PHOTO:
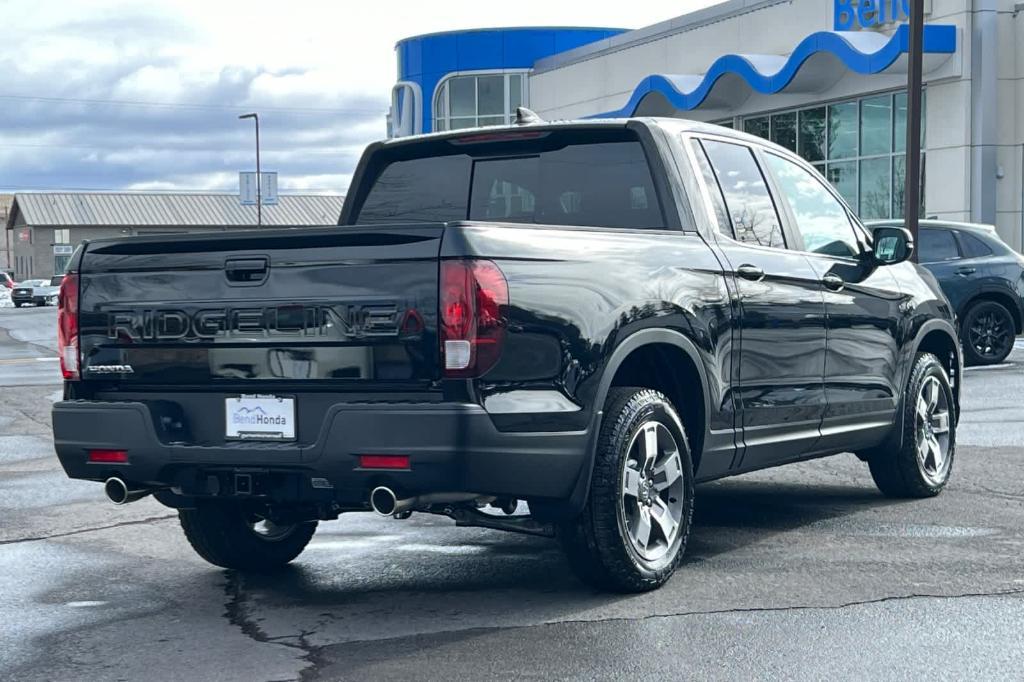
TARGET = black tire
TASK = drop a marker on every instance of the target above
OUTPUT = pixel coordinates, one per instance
(599, 544)
(988, 333)
(223, 534)
(906, 473)
(17, 305)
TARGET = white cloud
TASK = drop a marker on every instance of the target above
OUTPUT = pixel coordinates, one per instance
(251, 54)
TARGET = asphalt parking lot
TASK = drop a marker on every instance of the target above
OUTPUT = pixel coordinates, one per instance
(801, 572)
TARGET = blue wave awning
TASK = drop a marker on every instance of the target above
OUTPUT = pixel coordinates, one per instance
(812, 66)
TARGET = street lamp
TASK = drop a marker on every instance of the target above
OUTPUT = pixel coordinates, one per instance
(259, 177)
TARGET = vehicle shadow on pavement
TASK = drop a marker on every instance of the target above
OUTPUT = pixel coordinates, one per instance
(430, 557)
(729, 515)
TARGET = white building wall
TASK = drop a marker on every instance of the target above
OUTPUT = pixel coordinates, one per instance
(1009, 220)
(605, 81)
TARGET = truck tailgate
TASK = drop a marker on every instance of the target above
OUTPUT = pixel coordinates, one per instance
(341, 307)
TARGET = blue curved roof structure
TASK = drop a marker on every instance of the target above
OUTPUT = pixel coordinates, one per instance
(427, 59)
(864, 52)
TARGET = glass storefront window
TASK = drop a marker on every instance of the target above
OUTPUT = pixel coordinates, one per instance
(842, 130)
(784, 130)
(899, 127)
(757, 126)
(843, 176)
(875, 186)
(462, 96)
(490, 96)
(478, 100)
(857, 145)
(876, 125)
(515, 93)
(899, 183)
(812, 134)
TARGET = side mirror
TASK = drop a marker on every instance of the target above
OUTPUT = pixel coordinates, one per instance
(892, 245)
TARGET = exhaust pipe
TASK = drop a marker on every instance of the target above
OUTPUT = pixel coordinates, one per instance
(386, 503)
(118, 492)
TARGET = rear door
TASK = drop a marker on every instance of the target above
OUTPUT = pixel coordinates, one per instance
(782, 315)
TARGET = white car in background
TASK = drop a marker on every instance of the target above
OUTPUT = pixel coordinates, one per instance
(36, 291)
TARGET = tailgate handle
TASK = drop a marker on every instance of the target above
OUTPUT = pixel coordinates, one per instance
(247, 270)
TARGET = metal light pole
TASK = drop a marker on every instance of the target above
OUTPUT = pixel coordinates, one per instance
(259, 177)
(912, 184)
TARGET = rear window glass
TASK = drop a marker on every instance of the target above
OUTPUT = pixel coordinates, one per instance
(429, 190)
(606, 184)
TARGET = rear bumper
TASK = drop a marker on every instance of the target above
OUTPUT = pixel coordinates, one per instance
(452, 447)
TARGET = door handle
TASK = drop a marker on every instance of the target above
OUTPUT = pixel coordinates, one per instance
(966, 272)
(833, 282)
(751, 272)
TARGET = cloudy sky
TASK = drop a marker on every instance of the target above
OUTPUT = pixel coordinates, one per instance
(144, 95)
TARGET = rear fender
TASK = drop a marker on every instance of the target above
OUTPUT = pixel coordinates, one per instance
(567, 509)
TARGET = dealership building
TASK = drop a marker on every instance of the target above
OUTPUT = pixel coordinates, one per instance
(825, 78)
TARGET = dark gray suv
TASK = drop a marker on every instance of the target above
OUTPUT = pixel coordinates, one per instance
(983, 279)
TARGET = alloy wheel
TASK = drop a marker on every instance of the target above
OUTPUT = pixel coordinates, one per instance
(989, 334)
(932, 430)
(651, 503)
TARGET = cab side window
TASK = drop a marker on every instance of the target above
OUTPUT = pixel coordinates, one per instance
(820, 218)
(749, 203)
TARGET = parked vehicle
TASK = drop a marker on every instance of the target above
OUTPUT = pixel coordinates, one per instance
(587, 316)
(35, 292)
(6, 281)
(984, 280)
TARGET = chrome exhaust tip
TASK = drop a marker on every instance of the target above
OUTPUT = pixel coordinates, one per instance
(384, 501)
(118, 492)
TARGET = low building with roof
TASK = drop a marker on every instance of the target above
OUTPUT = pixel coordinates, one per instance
(44, 227)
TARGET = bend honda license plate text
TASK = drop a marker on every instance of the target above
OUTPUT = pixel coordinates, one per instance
(263, 417)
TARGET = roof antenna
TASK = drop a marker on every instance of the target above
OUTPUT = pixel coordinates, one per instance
(526, 117)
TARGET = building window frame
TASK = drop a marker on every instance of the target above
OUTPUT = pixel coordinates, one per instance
(441, 113)
(826, 166)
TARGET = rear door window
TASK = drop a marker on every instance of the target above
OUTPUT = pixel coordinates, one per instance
(938, 246)
(749, 203)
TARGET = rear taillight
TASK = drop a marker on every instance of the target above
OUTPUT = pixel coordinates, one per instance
(474, 303)
(67, 327)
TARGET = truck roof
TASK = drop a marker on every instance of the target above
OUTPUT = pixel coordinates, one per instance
(672, 125)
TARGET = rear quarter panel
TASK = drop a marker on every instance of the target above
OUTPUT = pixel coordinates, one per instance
(577, 293)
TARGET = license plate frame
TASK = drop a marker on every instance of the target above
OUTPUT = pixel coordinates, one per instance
(257, 416)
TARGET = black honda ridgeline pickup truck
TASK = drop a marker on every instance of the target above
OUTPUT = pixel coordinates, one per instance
(588, 317)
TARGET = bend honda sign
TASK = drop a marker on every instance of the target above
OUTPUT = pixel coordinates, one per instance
(852, 15)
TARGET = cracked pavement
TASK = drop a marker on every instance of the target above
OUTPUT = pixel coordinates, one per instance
(801, 572)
